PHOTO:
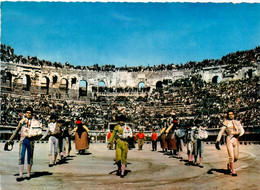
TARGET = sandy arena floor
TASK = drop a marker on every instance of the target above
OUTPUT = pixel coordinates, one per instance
(145, 170)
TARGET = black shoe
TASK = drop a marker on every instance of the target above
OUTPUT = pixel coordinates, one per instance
(228, 169)
(201, 166)
(50, 165)
(118, 173)
(234, 175)
(28, 178)
(122, 176)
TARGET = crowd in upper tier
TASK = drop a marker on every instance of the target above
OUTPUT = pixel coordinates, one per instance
(232, 62)
(187, 99)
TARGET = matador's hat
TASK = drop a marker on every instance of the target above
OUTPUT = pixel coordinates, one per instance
(9, 146)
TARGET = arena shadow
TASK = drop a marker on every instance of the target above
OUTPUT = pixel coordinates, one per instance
(126, 172)
(223, 171)
(85, 153)
(35, 174)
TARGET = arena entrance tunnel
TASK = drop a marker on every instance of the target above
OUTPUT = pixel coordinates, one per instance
(216, 79)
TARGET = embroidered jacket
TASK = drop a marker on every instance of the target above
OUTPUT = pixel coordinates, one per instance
(25, 125)
(232, 128)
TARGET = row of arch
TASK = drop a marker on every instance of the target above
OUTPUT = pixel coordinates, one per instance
(83, 84)
(63, 86)
(103, 84)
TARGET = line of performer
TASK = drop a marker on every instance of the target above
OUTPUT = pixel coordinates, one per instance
(59, 141)
(172, 139)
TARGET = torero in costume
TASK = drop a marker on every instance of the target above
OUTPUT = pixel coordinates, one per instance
(121, 133)
(29, 128)
(233, 130)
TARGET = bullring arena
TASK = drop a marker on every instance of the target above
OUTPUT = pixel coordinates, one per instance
(145, 170)
(148, 96)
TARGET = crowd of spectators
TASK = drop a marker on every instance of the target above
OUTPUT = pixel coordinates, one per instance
(186, 99)
(207, 101)
(119, 89)
(232, 62)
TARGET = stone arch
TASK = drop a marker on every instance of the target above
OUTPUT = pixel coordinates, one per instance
(250, 73)
(216, 79)
(54, 79)
(9, 77)
(64, 86)
(73, 81)
(83, 86)
(26, 82)
(159, 85)
(141, 85)
(45, 85)
(101, 86)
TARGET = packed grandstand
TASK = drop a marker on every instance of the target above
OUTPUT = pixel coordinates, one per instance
(185, 99)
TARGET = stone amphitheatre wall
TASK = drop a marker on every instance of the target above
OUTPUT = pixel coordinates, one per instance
(65, 83)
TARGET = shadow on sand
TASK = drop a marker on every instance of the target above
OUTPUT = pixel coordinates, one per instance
(126, 172)
(35, 175)
(84, 153)
(223, 171)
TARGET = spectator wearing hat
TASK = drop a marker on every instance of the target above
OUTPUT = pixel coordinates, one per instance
(121, 133)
